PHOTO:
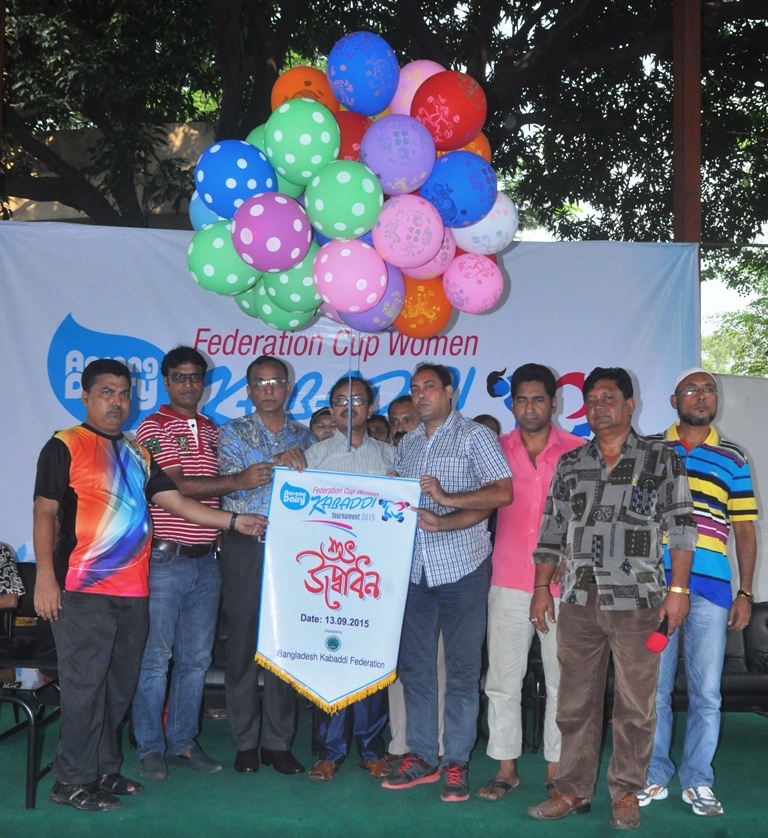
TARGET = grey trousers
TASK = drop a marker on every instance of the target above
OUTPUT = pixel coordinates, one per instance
(99, 642)
(242, 561)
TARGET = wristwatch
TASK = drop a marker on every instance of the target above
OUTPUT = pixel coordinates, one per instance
(748, 595)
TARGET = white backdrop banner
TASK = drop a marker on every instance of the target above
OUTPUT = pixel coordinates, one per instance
(71, 292)
(336, 567)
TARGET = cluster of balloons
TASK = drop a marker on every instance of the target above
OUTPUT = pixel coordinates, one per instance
(367, 196)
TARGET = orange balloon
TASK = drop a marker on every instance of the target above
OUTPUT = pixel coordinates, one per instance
(426, 310)
(479, 145)
(303, 82)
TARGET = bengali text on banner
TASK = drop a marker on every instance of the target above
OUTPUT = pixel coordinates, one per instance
(337, 562)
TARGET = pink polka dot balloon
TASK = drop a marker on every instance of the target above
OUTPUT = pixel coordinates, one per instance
(411, 78)
(350, 275)
(409, 232)
(437, 265)
(330, 312)
(473, 283)
(271, 232)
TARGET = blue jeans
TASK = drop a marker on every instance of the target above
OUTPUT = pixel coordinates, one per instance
(364, 719)
(459, 609)
(704, 651)
(183, 605)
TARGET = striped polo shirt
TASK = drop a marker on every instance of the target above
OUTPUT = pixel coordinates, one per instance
(175, 440)
(721, 487)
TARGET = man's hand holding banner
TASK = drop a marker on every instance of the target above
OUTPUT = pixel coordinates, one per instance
(336, 568)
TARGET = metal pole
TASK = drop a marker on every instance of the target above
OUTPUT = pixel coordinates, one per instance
(686, 157)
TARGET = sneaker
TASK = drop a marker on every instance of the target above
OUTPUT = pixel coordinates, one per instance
(455, 782)
(652, 791)
(411, 772)
(703, 801)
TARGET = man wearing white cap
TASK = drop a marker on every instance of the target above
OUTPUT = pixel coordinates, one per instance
(721, 487)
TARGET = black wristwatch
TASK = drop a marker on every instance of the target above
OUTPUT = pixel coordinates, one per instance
(232, 521)
(748, 595)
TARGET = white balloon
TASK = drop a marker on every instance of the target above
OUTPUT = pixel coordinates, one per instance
(492, 233)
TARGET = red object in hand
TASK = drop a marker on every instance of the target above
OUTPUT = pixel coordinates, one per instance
(657, 642)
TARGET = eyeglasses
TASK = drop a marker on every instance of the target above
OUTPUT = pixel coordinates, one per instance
(261, 383)
(180, 377)
(693, 390)
(343, 401)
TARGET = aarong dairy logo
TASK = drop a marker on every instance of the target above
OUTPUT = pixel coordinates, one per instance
(293, 497)
(73, 347)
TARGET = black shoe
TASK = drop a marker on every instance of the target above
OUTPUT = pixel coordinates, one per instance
(283, 761)
(197, 761)
(247, 762)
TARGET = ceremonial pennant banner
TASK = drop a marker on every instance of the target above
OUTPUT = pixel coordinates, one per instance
(336, 567)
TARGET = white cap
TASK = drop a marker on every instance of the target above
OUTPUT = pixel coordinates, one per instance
(686, 373)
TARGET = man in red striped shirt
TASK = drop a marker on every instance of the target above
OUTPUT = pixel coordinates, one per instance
(184, 576)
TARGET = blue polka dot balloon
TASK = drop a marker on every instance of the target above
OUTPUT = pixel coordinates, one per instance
(363, 72)
(199, 214)
(231, 171)
(462, 186)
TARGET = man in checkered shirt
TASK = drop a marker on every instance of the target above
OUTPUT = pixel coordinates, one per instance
(464, 475)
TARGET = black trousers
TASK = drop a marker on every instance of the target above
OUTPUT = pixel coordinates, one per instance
(242, 562)
(99, 642)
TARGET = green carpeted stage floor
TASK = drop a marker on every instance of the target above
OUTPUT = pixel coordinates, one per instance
(269, 804)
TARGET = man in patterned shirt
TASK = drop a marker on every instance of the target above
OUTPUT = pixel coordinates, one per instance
(353, 451)
(263, 439)
(607, 506)
(184, 577)
(463, 475)
(721, 486)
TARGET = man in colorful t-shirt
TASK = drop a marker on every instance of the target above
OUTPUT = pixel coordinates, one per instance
(93, 486)
(721, 487)
(184, 575)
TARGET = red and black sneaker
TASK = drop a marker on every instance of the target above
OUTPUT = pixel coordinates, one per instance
(455, 782)
(411, 772)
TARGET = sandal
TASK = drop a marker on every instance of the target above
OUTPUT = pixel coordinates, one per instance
(117, 784)
(86, 798)
(496, 785)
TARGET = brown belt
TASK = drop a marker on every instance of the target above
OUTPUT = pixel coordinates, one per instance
(191, 551)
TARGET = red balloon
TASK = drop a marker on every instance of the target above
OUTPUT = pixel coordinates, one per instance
(452, 106)
(352, 126)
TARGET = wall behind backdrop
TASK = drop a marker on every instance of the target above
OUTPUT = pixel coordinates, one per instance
(69, 293)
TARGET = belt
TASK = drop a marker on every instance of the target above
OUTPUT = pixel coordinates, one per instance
(191, 551)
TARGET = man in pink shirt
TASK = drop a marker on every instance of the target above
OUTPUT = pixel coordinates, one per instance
(532, 450)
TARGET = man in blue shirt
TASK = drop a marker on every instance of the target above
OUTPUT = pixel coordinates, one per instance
(266, 437)
(464, 475)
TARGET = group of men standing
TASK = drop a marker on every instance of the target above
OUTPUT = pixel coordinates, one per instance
(587, 517)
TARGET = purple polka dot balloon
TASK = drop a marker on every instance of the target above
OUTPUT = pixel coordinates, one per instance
(271, 232)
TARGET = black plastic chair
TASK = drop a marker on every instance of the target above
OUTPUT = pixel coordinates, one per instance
(27, 643)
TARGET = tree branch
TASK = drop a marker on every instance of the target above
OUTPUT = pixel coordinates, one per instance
(79, 191)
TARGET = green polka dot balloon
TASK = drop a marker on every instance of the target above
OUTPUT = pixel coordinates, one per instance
(294, 289)
(284, 187)
(344, 199)
(214, 263)
(275, 316)
(300, 138)
(246, 303)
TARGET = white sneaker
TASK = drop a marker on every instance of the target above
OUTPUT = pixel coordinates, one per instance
(703, 801)
(652, 792)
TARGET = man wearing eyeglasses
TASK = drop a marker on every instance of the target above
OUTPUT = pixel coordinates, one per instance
(262, 439)
(353, 451)
(184, 576)
(721, 486)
